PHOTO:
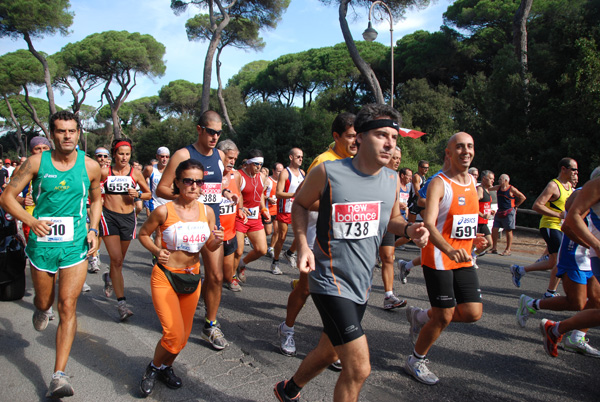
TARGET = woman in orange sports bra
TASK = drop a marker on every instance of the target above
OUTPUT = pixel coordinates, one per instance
(185, 225)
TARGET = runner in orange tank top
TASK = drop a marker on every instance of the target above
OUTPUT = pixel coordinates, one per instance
(450, 214)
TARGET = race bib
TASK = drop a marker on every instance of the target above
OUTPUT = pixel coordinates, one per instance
(355, 220)
(227, 207)
(253, 213)
(119, 184)
(191, 236)
(211, 193)
(61, 231)
(464, 226)
(403, 198)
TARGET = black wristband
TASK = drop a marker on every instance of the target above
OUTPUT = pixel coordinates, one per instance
(406, 229)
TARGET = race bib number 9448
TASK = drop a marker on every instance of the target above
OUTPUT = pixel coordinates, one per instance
(464, 226)
(355, 220)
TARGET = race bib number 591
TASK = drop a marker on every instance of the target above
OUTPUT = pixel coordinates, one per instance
(355, 220)
(464, 226)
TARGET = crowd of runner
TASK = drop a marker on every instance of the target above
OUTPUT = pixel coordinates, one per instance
(350, 211)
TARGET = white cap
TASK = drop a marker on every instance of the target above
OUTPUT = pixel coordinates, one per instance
(163, 151)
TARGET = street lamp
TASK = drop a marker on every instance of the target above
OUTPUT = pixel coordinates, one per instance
(370, 35)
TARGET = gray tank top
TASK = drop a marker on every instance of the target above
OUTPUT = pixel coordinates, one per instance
(354, 212)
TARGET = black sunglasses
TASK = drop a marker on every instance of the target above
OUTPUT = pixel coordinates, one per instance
(101, 156)
(210, 131)
(188, 182)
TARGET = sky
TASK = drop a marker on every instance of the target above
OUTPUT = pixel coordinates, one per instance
(305, 25)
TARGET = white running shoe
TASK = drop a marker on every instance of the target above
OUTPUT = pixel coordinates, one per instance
(270, 252)
(93, 265)
(415, 325)
(85, 287)
(402, 271)
(582, 347)
(292, 259)
(287, 345)
(523, 311)
(419, 370)
(275, 269)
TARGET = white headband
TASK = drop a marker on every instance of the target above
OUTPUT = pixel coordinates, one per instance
(258, 159)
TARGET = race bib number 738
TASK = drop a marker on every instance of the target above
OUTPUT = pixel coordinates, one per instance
(355, 220)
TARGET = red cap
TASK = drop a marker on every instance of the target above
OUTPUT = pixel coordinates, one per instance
(7, 161)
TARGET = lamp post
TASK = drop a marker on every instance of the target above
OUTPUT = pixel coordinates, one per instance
(370, 34)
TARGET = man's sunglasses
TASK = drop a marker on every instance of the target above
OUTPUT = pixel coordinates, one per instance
(188, 182)
(101, 156)
(210, 131)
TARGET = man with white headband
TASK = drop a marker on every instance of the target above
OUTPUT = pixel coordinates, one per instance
(287, 184)
(249, 221)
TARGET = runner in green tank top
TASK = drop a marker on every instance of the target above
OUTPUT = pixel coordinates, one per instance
(62, 180)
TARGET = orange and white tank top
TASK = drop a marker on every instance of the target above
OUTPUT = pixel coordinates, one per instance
(228, 209)
(271, 193)
(184, 236)
(456, 221)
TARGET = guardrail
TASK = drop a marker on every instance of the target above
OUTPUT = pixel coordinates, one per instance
(527, 212)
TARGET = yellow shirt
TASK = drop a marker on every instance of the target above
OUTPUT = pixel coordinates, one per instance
(557, 205)
(328, 155)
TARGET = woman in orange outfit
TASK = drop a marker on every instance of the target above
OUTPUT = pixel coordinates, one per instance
(185, 225)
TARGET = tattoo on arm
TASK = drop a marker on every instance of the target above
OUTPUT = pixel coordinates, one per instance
(18, 177)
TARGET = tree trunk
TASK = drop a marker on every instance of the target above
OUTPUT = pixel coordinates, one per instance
(47, 77)
(17, 125)
(210, 53)
(220, 93)
(364, 68)
(520, 35)
(33, 112)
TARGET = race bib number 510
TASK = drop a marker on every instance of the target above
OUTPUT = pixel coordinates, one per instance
(464, 226)
(61, 230)
(355, 220)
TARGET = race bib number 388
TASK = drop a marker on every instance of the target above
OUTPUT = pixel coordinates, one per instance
(355, 220)
(464, 226)
(211, 193)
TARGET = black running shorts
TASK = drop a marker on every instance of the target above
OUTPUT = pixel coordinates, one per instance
(450, 287)
(341, 318)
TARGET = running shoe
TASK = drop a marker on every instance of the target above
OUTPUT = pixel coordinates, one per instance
(415, 325)
(392, 302)
(336, 365)
(280, 394)
(275, 269)
(215, 337)
(550, 341)
(246, 241)
(51, 315)
(234, 285)
(515, 270)
(148, 380)
(93, 265)
(419, 370)
(108, 287)
(240, 272)
(85, 288)
(523, 311)
(59, 386)
(378, 261)
(292, 259)
(582, 347)
(287, 345)
(294, 283)
(402, 271)
(40, 319)
(167, 376)
(124, 311)
(270, 252)
(548, 295)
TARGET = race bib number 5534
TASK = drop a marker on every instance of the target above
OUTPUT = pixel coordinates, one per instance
(355, 220)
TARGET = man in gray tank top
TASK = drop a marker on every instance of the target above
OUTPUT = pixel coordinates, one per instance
(358, 201)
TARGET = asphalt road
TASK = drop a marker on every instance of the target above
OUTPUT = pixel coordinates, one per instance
(491, 360)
